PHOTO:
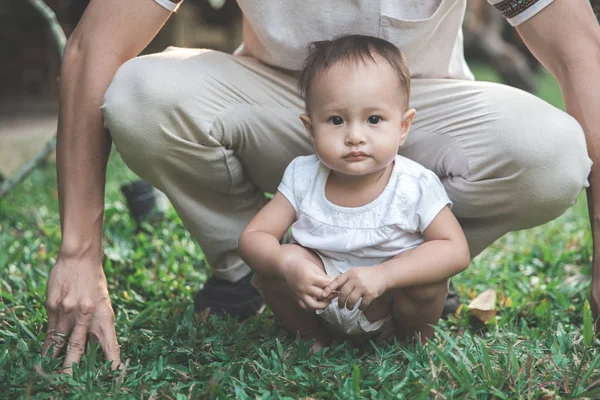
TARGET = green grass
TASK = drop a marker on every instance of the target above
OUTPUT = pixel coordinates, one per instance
(535, 346)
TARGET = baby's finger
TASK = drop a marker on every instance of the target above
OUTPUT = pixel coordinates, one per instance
(335, 284)
(344, 293)
(315, 304)
(331, 296)
(352, 299)
(366, 301)
(302, 304)
(315, 291)
(321, 280)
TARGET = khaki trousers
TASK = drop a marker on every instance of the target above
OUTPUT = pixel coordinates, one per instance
(215, 131)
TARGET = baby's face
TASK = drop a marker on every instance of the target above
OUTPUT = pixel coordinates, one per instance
(358, 117)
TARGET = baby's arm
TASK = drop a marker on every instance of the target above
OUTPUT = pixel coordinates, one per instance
(259, 247)
(259, 242)
(444, 254)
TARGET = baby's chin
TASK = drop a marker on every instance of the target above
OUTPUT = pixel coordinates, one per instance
(358, 171)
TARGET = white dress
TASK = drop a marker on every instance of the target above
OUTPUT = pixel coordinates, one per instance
(346, 237)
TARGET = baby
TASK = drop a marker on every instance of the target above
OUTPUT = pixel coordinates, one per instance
(373, 239)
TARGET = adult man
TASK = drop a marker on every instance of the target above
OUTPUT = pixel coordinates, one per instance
(214, 131)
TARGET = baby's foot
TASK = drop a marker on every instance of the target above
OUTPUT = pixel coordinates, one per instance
(318, 345)
(378, 310)
(321, 341)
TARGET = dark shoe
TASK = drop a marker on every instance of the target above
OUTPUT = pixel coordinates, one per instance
(452, 301)
(144, 201)
(239, 299)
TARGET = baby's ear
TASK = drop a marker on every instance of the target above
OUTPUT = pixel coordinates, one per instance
(305, 118)
(407, 120)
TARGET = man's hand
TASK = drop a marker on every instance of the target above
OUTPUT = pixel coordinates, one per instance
(78, 304)
(306, 281)
(367, 283)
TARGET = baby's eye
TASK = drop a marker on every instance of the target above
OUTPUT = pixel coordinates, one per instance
(336, 120)
(374, 119)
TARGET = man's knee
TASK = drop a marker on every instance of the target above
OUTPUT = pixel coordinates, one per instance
(552, 172)
(148, 112)
(139, 100)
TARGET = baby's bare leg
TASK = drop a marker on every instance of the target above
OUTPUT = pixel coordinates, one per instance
(287, 310)
(378, 309)
(416, 308)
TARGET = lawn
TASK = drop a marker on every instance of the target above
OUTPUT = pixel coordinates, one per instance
(534, 348)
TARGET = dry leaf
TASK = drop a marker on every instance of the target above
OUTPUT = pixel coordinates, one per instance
(458, 310)
(472, 294)
(42, 251)
(483, 306)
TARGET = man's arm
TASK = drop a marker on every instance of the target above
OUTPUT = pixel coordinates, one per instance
(109, 33)
(565, 38)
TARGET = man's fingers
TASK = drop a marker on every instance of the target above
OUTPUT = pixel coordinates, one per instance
(62, 331)
(76, 345)
(110, 345)
(52, 317)
(59, 340)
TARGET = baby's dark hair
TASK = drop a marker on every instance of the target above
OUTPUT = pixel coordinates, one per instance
(351, 49)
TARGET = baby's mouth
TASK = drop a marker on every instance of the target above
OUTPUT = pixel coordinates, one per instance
(356, 154)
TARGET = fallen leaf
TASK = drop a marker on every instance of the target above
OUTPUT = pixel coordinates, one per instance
(483, 306)
(42, 251)
(458, 310)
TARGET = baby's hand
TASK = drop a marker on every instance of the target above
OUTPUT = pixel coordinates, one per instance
(367, 283)
(306, 282)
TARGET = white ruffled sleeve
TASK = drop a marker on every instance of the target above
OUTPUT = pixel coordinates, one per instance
(433, 199)
(286, 187)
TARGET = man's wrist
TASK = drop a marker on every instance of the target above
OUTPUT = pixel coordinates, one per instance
(77, 248)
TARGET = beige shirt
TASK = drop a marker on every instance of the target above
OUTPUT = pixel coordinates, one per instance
(429, 32)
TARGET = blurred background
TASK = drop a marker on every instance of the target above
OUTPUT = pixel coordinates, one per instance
(30, 61)
(31, 64)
